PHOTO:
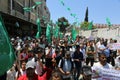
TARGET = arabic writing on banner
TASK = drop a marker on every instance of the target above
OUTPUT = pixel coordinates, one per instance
(106, 74)
(114, 46)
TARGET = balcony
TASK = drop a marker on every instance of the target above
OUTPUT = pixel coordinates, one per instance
(32, 17)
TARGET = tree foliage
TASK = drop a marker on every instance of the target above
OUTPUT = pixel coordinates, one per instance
(84, 25)
(63, 23)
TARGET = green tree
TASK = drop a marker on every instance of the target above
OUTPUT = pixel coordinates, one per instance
(87, 26)
(86, 15)
(84, 25)
(63, 23)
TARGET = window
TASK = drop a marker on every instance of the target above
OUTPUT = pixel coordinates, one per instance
(18, 7)
(45, 8)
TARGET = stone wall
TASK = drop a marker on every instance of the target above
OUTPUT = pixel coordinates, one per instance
(103, 33)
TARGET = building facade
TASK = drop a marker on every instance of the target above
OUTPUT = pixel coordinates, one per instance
(20, 22)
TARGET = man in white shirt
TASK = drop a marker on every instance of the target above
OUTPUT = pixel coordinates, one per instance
(99, 65)
(39, 64)
(66, 67)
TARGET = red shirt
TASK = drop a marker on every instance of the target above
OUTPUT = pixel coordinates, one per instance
(36, 77)
(54, 55)
(48, 73)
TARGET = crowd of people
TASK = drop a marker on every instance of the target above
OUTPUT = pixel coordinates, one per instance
(61, 59)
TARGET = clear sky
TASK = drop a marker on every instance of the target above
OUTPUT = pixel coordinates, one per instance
(98, 10)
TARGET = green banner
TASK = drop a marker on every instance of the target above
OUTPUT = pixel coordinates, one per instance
(48, 33)
(38, 28)
(7, 55)
(74, 34)
(90, 25)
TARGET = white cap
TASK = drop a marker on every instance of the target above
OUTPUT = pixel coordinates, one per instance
(12, 39)
(30, 64)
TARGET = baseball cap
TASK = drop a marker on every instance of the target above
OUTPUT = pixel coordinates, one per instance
(30, 64)
(87, 70)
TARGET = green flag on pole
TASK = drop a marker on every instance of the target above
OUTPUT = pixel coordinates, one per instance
(38, 28)
(27, 9)
(37, 35)
(108, 22)
(62, 2)
(68, 9)
(90, 25)
(69, 39)
(57, 29)
(7, 55)
(74, 15)
(48, 33)
(74, 33)
(38, 24)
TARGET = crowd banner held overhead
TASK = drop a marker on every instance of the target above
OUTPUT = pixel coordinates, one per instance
(114, 46)
(7, 55)
(106, 74)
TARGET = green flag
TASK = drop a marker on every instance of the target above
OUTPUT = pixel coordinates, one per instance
(38, 24)
(74, 15)
(74, 34)
(59, 23)
(37, 35)
(38, 3)
(69, 39)
(33, 6)
(61, 35)
(68, 9)
(38, 28)
(48, 33)
(65, 23)
(57, 29)
(27, 9)
(108, 22)
(62, 2)
(7, 55)
(90, 25)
